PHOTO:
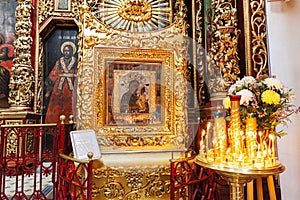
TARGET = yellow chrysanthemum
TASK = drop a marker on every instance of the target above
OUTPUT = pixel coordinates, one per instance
(226, 103)
(270, 97)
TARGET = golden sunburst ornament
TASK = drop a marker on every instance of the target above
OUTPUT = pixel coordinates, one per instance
(135, 15)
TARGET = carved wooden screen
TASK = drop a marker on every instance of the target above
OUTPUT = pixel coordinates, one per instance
(229, 41)
(211, 25)
(148, 47)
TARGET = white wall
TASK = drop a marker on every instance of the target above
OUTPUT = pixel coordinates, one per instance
(284, 46)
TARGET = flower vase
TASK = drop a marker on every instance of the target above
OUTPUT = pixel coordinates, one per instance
(234, 136)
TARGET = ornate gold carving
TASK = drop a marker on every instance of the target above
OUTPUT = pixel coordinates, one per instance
(101, 42)
(101, 34)
(15, 140)
(200, 53)
(134, 15)
(77, 5)
(12, 143)
(22, 79)
(39, 80)
(45, 9)
(258, 39)
(136, 183)
(255, 37)
(223, 52)
(137, 11)
(126, 136)
(135, 141)
(180, 17)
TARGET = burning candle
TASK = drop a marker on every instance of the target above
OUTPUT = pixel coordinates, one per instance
(260, 141)
(202, 136)
(206, 136)
(272, 141)
(250, 135)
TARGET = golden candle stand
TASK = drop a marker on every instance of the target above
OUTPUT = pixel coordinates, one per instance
(237, 176)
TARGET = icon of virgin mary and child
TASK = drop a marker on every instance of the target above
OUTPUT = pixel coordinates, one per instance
(134, 100)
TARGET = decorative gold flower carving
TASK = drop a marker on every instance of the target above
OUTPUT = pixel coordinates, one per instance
(137, 11)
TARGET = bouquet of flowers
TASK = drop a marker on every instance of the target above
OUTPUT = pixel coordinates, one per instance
(264, 98)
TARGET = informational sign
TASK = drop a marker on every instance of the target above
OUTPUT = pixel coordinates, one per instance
(83, 142)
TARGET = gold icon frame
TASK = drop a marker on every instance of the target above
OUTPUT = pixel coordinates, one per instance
(162, 134)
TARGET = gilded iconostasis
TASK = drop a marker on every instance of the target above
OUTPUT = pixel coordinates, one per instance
(79, 58)
(220, 35)
(141, 73)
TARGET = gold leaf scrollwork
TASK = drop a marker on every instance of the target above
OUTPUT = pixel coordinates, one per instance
(258, 42)
(45, 9)
(223, 52)
(180, 17)
(137, 11)
(200, 52)
(131, 141)
(119, 183)
(78, 8)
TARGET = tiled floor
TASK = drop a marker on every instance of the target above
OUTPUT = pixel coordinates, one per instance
(14, 184)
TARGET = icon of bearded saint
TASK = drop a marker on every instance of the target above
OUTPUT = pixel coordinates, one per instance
(60, 84)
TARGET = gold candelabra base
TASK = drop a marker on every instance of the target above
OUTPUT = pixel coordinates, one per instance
(237, 177)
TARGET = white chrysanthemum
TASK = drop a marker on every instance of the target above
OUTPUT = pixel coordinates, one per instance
(238, 84)
(233, 88)
(248, 80)
(273, 83)
(246, 96)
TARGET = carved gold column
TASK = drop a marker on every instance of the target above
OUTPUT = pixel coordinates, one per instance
(255, 37)
(199, 59)
(222, 56)
(22, 79)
